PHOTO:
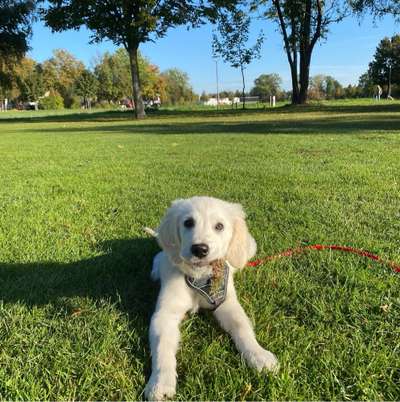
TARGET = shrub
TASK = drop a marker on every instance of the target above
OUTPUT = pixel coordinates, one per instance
(76, 103)
(52, 102)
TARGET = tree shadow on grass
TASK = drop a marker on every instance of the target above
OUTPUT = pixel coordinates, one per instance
(96, 115)
(326, 125)
(117, 115)
(123, 269)
(121, 275)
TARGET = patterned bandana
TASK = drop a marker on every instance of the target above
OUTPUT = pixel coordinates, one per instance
(212, 287)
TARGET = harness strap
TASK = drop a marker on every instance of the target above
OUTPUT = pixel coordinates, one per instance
(211, 288)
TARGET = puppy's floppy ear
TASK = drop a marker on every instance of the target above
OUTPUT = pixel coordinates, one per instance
(168, 235)
(242, 246)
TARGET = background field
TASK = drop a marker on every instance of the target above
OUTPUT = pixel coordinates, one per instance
(76, 189)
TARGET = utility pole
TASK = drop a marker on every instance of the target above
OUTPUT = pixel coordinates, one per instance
(216, 74)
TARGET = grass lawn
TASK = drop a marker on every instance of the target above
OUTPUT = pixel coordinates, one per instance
(76, 297)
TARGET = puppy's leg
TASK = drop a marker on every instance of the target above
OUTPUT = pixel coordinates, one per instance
(234, 320)
(164, 341)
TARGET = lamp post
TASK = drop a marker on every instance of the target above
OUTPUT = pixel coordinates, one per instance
(217, 78)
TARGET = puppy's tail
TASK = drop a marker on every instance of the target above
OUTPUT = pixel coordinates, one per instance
(150, 231)
(155, 271)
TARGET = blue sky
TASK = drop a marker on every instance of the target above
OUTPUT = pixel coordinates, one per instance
(345, 55)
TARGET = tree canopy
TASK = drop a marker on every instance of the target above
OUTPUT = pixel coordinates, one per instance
(86, 86)
(177, 87)
(302, 24)
(232, 42)
(15, 27)
(60, 73)
(378, 7)
(28, 77)
(127, 23)
(325, 87)
(384, 69)
(108, 84)
(113, 71)
(266, 85)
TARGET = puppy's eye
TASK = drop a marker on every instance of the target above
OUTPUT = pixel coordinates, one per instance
(188, 223)
(219, 227)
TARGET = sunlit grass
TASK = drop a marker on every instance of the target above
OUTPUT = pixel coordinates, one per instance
(76, 189)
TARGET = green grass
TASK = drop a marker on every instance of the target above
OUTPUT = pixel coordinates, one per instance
(76, 189)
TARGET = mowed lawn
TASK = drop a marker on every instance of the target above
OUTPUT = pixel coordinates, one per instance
(76, 296)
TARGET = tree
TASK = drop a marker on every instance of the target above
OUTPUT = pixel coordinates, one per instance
(177, 87)
(113, 77)
(152, 82)
(266, 85)
(204, 97)
(302, 24)
(54, 101)
(378, 7)
(61, 72)
(352, 91)
(226, 94)
(15, 29)
(127, 23)
(231, 43)
(384, 69)
(29, 80)
(333, 88)
(316, 87)
(86, 87)
(113, 71)
(366, 85)
(325, 87)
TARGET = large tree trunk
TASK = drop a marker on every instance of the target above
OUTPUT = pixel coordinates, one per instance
(305, 53)
(304, 77)
(291, 51)
(303, 95)
(295, 84)
(293, 64)
(302, 41)
(137, 91)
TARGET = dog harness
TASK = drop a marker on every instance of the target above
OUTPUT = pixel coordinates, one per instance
(212, 287)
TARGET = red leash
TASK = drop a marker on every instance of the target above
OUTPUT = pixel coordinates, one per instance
(298, 250)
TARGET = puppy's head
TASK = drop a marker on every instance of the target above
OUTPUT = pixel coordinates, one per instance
(197, 231)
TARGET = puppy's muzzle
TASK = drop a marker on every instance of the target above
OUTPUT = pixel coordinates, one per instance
(200, 250)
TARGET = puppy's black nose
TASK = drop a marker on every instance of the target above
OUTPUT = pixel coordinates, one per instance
(199, 250)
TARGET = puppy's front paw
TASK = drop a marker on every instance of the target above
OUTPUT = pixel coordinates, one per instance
(262, 359)
(160, 387)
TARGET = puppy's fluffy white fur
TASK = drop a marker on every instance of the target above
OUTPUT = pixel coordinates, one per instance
(235, 245)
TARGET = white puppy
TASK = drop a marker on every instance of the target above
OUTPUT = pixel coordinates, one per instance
(194, 234)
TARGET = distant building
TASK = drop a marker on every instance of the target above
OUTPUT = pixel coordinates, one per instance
(222, 101)
(211, 102)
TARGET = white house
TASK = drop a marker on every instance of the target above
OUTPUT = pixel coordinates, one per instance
(222, 101)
